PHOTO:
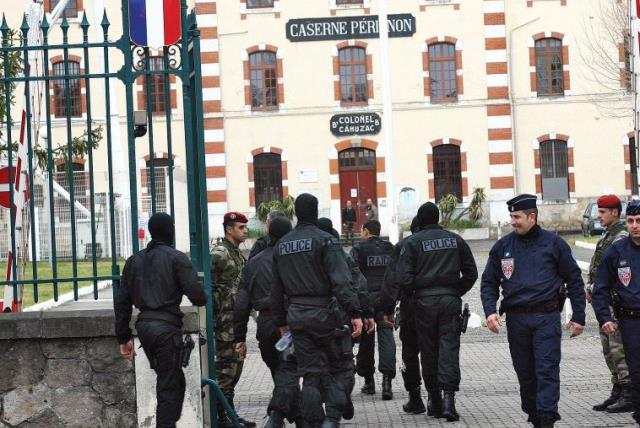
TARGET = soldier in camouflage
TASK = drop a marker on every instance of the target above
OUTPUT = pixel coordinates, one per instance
(609, 208)
(226, 268)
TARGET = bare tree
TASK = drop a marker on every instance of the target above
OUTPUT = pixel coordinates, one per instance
(606, 53)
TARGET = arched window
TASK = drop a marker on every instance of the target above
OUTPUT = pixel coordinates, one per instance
(161, 174)
(353, 75)
(447, 171)
(157, 90)
(549, 69)
(442, 72)
(554, 169)
(70, 10)
(59, 90)
(263, 80)
(267, 177)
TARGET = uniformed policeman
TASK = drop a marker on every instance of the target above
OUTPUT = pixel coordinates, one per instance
(372, 256)
(439, 267)
(618, 285)
(311, 272)
(154, 280)
(609, 209)
(392, 292)
(226, 267)
(263, 242)
(253, 293)
(532, 265)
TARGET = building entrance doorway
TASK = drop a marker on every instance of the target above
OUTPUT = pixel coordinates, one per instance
(357, 168)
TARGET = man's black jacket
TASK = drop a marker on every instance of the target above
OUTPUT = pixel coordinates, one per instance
(155, 279)
(308, 262)
(373, 256)
(260, 244)
(253, 291)
(435, 261)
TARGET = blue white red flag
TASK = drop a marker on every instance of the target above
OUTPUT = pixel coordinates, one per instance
(154, 23)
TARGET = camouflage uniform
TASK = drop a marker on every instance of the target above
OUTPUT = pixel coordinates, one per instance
(226, 269)
(611, 344)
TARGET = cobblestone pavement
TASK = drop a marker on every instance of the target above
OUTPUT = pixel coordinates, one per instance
(489, 395)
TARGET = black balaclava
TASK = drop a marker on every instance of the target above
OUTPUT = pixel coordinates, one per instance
(279, 227)
(162, 228)
(306, 207)
(414, 225)
(325, 224)
(428, 214)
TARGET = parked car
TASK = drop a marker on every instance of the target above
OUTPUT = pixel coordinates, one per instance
(590, 223)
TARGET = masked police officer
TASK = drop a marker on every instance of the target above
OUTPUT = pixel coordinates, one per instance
(154, 280)
(310, 271)
(264, 241)
(372, 256)
(392, 292)
(439, 266)
(619, 276)
(609, 209)
(253, 293)
(532, 265)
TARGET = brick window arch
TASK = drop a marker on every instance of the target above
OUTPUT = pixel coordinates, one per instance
(352, 68)
(263, 76)
(554, 167)
(157, 88)
(549, 64)
(79, 176)
(442, 69)
(268, 177)
(447, 169)
(76, 86)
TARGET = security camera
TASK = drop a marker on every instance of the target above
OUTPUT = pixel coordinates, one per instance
(140, 123)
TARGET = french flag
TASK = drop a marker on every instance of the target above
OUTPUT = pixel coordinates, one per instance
(154, 23)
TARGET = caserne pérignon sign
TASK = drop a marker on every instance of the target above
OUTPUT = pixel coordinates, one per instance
(355, 124)
(348, 27)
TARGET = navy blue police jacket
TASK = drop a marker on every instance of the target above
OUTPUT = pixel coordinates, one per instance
(531, 269)
(308, 262)
(372, 257)
(619, 271)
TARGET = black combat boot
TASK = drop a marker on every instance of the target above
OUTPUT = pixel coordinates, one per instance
(348, 411)
(616, 391)
(449, 407)
(387, 394)
(276, 420)
(624, 403)
(415, 404)
(330, 423)
(369, 386)
(434, 403)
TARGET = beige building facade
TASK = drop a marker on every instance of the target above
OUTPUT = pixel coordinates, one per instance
(492, 94)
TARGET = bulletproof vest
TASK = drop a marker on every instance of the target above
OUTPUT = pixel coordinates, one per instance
(374, 256)
(612, 234)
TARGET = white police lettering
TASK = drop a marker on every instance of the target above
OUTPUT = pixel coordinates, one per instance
(297, 246)
(373, 261)
(439, 244)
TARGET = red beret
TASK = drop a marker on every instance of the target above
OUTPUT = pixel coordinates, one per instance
(608, 201)
(235, 217)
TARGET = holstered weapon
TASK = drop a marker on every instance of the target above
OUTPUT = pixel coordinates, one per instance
(562, 297)
(187, 346)
(615, 303)
(343, 339)
(464, 318)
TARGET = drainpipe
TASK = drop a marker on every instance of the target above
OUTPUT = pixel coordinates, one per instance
(512, 101)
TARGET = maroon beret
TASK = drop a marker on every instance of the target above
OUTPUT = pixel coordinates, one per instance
(234, 216)
(609, 201)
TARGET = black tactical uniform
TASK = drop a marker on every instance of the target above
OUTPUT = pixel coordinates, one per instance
(310, 270)
(372, 257)
(440, 268)
(154, 280)
(253, 293)
(260, 244)
(390, 294)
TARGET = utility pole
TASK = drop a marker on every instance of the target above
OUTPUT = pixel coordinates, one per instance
(387, 120)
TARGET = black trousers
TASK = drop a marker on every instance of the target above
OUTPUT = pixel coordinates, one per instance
(630, 331)
(438, 325)
(410, 350)
(365, 362)
(162, 343)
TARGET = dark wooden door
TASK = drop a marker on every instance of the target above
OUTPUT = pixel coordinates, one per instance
(358, 181)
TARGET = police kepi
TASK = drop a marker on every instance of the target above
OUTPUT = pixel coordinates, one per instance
(532, 266)
(618, 285)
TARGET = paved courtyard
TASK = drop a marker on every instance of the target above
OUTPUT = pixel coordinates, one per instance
(489, 395)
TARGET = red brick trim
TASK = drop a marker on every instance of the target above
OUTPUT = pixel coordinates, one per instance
(83, 83)
(463, 168)
(570, 162)
(250, 172)
(141, 98)
(425, 67)
(566, 75)
(381, 186)
(247, 77)
(336, 72)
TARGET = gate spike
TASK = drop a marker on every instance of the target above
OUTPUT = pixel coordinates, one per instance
(105, 21)
(4, 27)
(64, 25)
(85, 23)
(45, 24)
(25, 26)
